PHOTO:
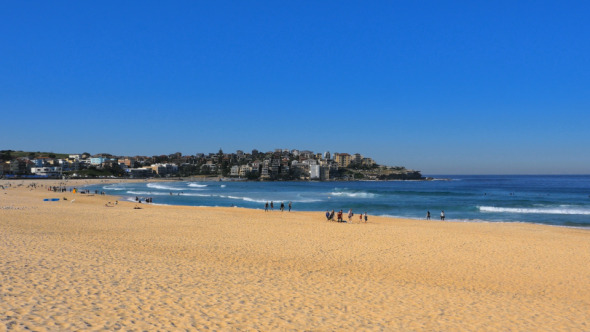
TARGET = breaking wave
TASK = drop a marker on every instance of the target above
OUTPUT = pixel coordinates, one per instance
(162, 186)
(197, 185)
(548, 210)
(361, 194)
(114, 187)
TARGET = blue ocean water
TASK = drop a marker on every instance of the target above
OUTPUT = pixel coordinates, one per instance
(556, 200)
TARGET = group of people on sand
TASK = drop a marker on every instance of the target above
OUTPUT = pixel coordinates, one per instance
(147, 200)
(339, 216)
(272, 206)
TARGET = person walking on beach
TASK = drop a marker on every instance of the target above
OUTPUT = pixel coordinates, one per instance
(340, 216)
(361, 217)
(442, 215)
(282, 207)
(332, 215)
(266, 207)
(427, 215)
(290, 205)
(350, 214)
(366, 218)
(272, 206)
(327, 215)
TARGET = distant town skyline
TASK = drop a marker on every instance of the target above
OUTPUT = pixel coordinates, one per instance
(440, 87)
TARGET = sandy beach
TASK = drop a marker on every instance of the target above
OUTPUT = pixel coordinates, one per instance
(76, 264)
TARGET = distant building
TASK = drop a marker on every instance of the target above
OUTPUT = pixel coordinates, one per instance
(357, 158)
(324, 173)
(139, 172)
(244, 170)
(342, 159)
(368, 162)
(264, 174)
(306, 154)
(52, 172)
(284, 170)
(97, 161)
(129, 162)
(39, 162)
(18, 166)
(164, 169)
(235, 171)
(314, 172)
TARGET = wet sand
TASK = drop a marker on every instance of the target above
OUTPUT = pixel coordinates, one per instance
(83, 266)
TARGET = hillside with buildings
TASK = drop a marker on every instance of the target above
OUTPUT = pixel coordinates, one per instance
(281, 164)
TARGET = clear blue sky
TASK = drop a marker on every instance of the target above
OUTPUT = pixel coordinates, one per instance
(443, 87)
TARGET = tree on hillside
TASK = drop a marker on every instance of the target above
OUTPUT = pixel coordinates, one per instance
(6, 155)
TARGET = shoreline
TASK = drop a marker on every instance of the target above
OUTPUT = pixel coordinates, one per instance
(434, 219)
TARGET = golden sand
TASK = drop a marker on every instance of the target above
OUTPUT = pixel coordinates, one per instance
(83, 266)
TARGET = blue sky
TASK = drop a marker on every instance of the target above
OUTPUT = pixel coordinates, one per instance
(457, 87)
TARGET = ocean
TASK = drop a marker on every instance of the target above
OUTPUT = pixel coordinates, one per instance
(554, 199)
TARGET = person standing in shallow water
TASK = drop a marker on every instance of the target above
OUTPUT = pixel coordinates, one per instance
(266, 207)
(290, 205)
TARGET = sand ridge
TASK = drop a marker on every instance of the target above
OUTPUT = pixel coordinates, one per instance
(83, 266)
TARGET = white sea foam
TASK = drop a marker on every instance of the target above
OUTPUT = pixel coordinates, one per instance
(156, 193)
(223, 186)
(132, 192)
(197, 185)
(114, 187)
(161, 186)
(547, 210)
(247, 199)
(260, 200)
(354, 194)
(196, 195)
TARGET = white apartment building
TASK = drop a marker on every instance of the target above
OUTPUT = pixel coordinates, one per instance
(54, 171)
(314, 172)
